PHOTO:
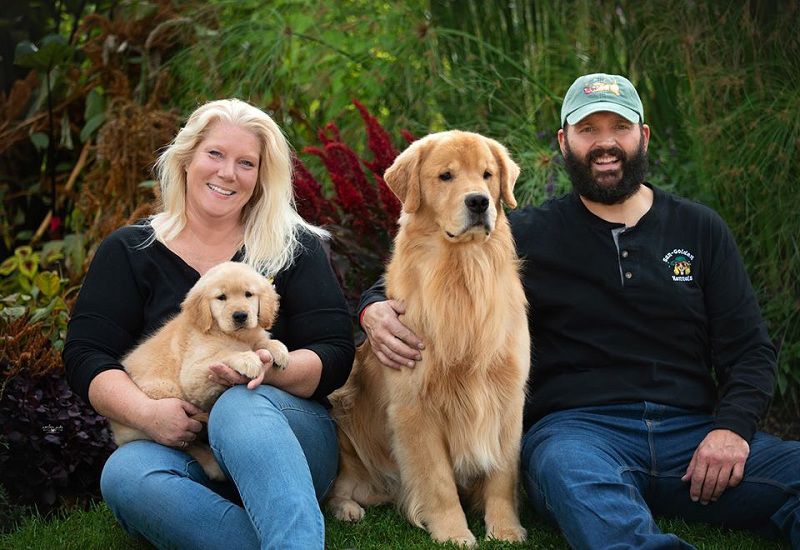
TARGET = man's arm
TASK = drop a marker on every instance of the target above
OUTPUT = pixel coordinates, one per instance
(392, 342)
(745, 364)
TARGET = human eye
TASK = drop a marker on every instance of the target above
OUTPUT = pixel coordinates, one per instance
(247, 163)
(214, 153)
(586, 129)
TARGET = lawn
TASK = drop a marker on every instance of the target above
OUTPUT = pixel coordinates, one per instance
(382, 529)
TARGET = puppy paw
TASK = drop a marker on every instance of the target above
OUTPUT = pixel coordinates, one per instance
(510, 532)
(247, 363)
(280, 355)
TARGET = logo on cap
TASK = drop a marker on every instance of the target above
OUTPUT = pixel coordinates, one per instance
(610, 87)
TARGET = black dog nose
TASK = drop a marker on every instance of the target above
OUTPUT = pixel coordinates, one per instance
(239, 317)
(477, 203)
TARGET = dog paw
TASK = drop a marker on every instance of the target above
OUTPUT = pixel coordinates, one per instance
(348, 510)
(510, 532)
(280, 355)
(465, 539)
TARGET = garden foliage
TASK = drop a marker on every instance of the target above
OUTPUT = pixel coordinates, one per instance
(99, 87)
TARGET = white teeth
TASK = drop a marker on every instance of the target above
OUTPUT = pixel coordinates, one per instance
(605, 160)
(220, 190)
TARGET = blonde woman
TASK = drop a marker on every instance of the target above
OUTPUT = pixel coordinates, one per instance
(226, 192)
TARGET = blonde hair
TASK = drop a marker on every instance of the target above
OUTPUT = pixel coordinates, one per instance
(271, 222)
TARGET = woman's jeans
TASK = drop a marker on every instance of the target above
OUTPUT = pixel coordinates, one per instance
(601, 473)
(279, 453)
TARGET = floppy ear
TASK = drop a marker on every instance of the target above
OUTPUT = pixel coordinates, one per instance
(197, 308)
(403, 176)
(268, 302)
(509, 172)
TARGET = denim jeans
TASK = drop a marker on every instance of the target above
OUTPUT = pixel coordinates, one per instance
(601, 473)
(279, 454)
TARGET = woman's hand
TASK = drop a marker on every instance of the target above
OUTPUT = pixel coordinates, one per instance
(223, 375)
(167, 421)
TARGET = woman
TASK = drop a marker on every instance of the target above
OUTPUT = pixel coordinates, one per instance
(227, 194)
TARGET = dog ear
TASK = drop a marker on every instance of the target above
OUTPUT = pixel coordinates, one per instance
(403, 176)
(509, 172)
(197, 308)
(268, 302)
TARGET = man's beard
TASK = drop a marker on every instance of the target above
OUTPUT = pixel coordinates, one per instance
(585, 184)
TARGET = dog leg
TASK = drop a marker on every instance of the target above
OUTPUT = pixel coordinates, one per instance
(500, 503)
(429, 493)
(202, 453)
(247, 363)
(352, 488)
(280, 354)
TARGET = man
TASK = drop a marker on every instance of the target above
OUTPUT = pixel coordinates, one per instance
(651, 364)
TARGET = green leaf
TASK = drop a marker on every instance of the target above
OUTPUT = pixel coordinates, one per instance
(52, 50)
(12, 313)
(95, 103)
(146, 184)
(66, 132)
(48, 282)
(91, 125)
(9, 265)
(40, 140)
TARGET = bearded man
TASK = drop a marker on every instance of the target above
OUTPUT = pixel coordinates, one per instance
(648, 382)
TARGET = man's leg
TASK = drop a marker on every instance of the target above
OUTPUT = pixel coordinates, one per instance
(584, 469)
(767, 499)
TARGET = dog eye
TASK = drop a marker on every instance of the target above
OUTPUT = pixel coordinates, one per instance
(222, 297)
(487, 175)
(447, 176)
(248, 294)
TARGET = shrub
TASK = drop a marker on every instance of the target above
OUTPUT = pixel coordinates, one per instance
(52, 445)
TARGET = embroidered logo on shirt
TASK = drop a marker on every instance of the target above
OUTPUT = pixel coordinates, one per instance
(680, 264)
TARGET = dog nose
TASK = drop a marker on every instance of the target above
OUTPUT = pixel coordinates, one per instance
(477, 202)
(239, 317)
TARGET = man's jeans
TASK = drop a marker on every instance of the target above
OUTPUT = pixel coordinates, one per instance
(280, 453)
(598, 472)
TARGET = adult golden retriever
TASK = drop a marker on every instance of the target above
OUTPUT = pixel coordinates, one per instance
(222, 320)
(418, 437)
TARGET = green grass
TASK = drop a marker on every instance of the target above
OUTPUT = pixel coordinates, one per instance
(383, 528)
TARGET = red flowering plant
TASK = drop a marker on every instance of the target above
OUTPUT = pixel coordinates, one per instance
(362, 213)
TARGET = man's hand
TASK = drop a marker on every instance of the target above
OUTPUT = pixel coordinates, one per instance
(717, 463)
(169, 423)
(392, 342)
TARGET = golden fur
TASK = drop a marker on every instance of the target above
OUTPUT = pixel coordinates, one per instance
(174, 361)
(453, 423)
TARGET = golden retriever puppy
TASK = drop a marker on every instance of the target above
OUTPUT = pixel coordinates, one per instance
(222, 320)
(452, 425)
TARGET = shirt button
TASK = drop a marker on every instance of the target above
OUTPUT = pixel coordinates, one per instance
(624, 253)
(628, 274)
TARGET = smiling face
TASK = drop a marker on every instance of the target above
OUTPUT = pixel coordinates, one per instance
(222, 173)
(605, 156)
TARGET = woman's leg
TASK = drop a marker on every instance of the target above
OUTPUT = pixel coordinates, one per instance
(163, 495)
(281, 452)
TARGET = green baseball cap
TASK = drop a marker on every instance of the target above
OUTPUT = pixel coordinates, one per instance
(601, 92)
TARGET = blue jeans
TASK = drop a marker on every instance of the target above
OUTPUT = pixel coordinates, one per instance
(279, 453)
(601, 473)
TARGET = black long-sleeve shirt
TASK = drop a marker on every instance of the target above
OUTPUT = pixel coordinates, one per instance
(646, 313)
(129, 292)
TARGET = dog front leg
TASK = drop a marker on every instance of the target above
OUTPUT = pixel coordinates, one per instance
(429, 496)
(500, 502)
